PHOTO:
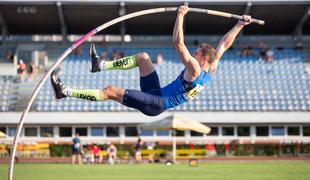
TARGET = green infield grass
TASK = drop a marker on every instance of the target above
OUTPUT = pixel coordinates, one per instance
(277, 170)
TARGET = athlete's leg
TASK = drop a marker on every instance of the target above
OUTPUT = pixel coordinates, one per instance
(146, 103)
(98, 64)
(108, 93)
(149, 81)
(142, 60)
(80, 159)
(74, 157)
(145, 64)
(149, 104)
(62, 91)
(148, 77)
(113, 93)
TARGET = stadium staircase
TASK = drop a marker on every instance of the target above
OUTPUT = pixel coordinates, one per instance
(15, 95)
(24, 91)
(8, 93)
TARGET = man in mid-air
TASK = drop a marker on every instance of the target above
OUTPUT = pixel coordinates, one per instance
(153, 99)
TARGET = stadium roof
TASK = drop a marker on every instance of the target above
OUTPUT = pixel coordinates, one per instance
(79, 17)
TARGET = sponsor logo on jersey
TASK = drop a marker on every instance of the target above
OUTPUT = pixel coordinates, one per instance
(193, 92)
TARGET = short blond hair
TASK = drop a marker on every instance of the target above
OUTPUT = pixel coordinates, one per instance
(207, 50)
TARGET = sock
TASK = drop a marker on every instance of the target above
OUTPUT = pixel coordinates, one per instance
(125, 63)
(87, 94)
(67, 91)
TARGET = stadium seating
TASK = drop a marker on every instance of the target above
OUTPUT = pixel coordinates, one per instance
(243, 83)
(7, 92)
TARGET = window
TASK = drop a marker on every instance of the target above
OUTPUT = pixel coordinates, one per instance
(162, 132)
(306, 130)
(112, 131)
(131, 131)
(194, 133)
(227, 131)
(243, 131)
(277, 131)
(65, 131)
(179, 133)
(31, 131)
(3, 129)
(214, 131)
(293, 131)
(262, 131)
(146, 133)
(81, 130)
(12, 131)
(46, 132)
(96, 131)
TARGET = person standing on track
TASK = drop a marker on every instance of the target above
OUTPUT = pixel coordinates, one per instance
(77, 149)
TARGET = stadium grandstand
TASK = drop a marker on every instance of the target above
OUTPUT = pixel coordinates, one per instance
(252, 100)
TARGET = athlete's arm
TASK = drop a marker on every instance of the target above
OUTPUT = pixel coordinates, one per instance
(228, 40)
(189, 62)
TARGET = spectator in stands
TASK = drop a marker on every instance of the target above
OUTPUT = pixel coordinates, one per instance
(96, 154)
(30, 71)
(104, 56)
(159, 59)
(22, 70)
(247, 50)
(122, 54)
(115, 55)
(280, 48)
(152, 100)
(77, 149)
(299, 46)
(269, 55)
(138, 147)
(8, 57)
(112, 153)
(78, 51)
(196, 42)
(262, 51)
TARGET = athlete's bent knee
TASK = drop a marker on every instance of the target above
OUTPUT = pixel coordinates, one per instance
(109, 88)
(144, 56)
(108, 92)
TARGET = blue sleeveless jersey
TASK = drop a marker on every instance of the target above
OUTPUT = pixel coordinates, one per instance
(180, 91)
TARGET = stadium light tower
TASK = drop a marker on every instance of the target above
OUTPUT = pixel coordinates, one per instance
(63, 24)
(4, 28)
(122, 12)
(298, 30)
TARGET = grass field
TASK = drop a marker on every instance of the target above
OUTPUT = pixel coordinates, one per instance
(215, 170)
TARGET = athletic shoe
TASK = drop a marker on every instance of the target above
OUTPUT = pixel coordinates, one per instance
(95, 59)
(57, 85)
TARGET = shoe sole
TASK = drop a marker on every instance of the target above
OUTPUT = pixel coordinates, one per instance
(92, 52)
(90, 67)
(57, 94)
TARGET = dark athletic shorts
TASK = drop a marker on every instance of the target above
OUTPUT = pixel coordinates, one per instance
(75, 151)
(149, 100)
